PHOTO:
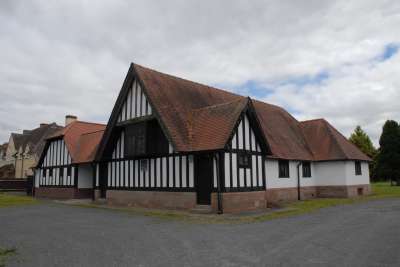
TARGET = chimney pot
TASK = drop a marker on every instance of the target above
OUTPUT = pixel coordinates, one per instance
(69, 119)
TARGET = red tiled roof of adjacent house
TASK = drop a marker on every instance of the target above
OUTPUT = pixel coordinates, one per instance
(79, 147)
(327, 143)
(87, 146)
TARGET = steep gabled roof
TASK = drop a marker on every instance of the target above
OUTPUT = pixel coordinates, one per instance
(80, 147)
(34, 139)
(328, 144)
(175, 99)
(198, 117)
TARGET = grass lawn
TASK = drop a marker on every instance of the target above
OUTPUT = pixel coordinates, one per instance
(4, 254)
(380, 191)
(7, 200)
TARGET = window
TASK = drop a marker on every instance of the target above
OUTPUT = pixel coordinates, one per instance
(244, 160)
(143, 165)
(69, 171)
(61, 172)
(284, 169)
(306, 169)
(135, 139)
(145, 138)
(50, 172)
(358, 167)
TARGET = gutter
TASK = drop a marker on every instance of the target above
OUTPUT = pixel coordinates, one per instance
(298, 180)
(219, 195)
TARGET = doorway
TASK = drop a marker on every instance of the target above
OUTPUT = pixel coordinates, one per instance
(204, 177)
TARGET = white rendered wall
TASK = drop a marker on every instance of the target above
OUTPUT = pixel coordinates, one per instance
(334, 173)
(85, 176)
(272, 175)
(330, 173)
(352, 178)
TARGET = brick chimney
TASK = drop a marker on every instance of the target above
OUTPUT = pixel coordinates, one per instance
(69, 119)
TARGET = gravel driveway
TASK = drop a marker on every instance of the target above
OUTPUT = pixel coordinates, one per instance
(365, 234)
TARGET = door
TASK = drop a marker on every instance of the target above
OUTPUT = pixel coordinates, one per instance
(103, 180)
(204, 177)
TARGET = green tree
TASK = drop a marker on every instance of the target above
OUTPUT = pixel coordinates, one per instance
(364, 143)
(388, 160)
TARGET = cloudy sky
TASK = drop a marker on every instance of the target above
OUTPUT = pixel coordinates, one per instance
(333, 59)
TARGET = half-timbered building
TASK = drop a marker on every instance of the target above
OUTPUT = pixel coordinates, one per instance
(174, 143)
(65, 169)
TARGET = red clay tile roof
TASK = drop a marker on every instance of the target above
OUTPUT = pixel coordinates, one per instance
(175, 100)
(79, 146)
(327, 143)
(283, 132)
(87, 147)
(211, 126)
(198, 117)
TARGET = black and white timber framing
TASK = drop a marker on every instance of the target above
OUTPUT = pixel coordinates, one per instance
(243, 142)
(56, 168)
(175, 171)
(135, 104)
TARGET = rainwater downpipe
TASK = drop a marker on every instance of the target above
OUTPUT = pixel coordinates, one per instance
(219, 195)
(298, 180)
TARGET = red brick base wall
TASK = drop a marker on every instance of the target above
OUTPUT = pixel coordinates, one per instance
(344, 191)
(240, 201)
(62, 192)
(152, 199)
(275, 195)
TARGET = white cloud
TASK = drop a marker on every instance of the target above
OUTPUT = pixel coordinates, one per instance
(71, 57)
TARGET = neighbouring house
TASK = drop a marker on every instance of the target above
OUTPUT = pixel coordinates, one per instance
(24, 149)
(7, 171)
(3, 155)
(65, 168)
(174, 143)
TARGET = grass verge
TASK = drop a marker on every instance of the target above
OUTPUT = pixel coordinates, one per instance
(7, 200)
(4, 254)
(380, 191)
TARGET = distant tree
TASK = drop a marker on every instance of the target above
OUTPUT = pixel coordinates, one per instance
(364, 143)
(388, 160)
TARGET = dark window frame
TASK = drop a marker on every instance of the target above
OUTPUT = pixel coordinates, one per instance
(144, 165)
(357, 168)
(144, 138)
(243, 160)
(306, 169)
(284, 168)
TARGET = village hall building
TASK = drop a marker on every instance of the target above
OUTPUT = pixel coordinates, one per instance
(173, 143)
